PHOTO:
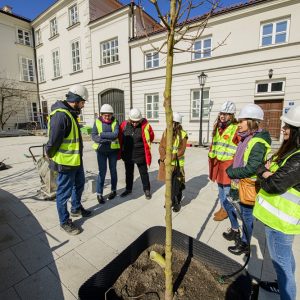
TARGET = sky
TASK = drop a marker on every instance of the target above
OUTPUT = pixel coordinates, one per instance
(32, 8)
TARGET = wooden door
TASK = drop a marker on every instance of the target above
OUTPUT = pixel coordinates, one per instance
(273, 111)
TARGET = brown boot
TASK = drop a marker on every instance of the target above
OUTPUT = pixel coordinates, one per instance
(219, 211)
(221, 216)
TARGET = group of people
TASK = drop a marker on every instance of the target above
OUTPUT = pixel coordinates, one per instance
(266, 188)
(129, 141)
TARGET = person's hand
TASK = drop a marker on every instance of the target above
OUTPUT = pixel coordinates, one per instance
(267, 174)
(268, 164)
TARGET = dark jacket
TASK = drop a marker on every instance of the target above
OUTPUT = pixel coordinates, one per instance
(106, 137)
(284, 178)
(256, 158)
(60, 128)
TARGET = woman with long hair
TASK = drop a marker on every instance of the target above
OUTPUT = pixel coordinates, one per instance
(180, 138)
(278, 205)
(221, 153)
(251, 153)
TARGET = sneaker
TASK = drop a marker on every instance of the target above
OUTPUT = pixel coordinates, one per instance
(231, 235)
(240, 248)
(125, 193)
(177, 207)
(112, 195)
(100, 199)
(81, 212)
(70, 228)
(148, 195)
(270, 286)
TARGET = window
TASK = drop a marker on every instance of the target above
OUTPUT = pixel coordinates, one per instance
(195, 106)
(41, 70)
(270, 87)
(151, 60)
(202, 48)
(152, 106)
(24, 37)
(73, 15)
(56, 65)
(76, 66)
(110, 52)
(27, 69)
(53, 27)
(32, 111)
(274, 33)
(38, 37)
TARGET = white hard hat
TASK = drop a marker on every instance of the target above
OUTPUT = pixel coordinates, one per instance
(292, 117)
(177, 117)
(135, 114)
(106, 108)
(228, 107)
(251, 111)
(80, 91)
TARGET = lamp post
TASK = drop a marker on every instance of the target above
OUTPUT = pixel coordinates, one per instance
(202, 79)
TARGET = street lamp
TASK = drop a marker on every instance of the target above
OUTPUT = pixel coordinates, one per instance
(202, 78)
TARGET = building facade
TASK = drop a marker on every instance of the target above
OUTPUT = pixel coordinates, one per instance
(250, 54)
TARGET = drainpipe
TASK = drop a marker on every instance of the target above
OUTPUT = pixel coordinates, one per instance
(130, 60)
(40, 114)
(94, 108)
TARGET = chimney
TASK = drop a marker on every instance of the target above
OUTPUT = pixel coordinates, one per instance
(7, 9)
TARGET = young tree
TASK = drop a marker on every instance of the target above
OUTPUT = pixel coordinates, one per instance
(13, 98)
(180, 31)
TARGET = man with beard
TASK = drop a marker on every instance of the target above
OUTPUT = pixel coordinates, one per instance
(64, 149)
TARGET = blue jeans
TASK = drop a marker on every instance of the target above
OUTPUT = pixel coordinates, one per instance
(280, 249)
(224, 190)
(69, 184)
(231, 214)
(102, 157)
(247, 215)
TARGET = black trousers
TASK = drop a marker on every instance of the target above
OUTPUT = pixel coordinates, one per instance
(129, 171)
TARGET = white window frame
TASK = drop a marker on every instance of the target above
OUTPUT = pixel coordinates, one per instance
(77, 65)
(41, 69)
(25, 37)
(56, 63)
(274, 33)
(31, 115)
(53, 27)
(38, 37)
(73, 14)
(109, 51)
(202, 51)
(206, 104)
(152, 110)
(27, 69)
(150, 57)
(269, 90)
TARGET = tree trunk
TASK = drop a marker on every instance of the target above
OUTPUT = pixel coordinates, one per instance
(169, 122)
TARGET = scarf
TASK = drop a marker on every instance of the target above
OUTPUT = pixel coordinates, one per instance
(106, 122)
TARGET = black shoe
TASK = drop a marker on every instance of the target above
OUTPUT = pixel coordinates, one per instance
(239, 248)
(270, 286)
(125, 193)
(100, 199)
(112, 195)
(81, 212)
(148, 195)
(177, 207)
(70, 228)
(231, 235)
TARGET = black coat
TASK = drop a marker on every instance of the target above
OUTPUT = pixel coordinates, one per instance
(284, 178)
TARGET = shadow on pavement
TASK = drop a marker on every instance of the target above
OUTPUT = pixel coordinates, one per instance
(25, 255)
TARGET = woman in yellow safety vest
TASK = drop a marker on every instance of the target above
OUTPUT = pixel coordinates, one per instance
(180, 138)
(251, 152)
(106, 144)
(278, 205)
(221, 153)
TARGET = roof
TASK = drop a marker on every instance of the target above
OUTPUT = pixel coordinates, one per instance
(222, 11)
(15, 16)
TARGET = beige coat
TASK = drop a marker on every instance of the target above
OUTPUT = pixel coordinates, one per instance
(162, 155)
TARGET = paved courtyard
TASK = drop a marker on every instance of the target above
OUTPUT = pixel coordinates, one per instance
(39, 261)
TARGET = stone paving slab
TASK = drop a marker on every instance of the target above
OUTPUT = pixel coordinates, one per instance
(36, 253)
